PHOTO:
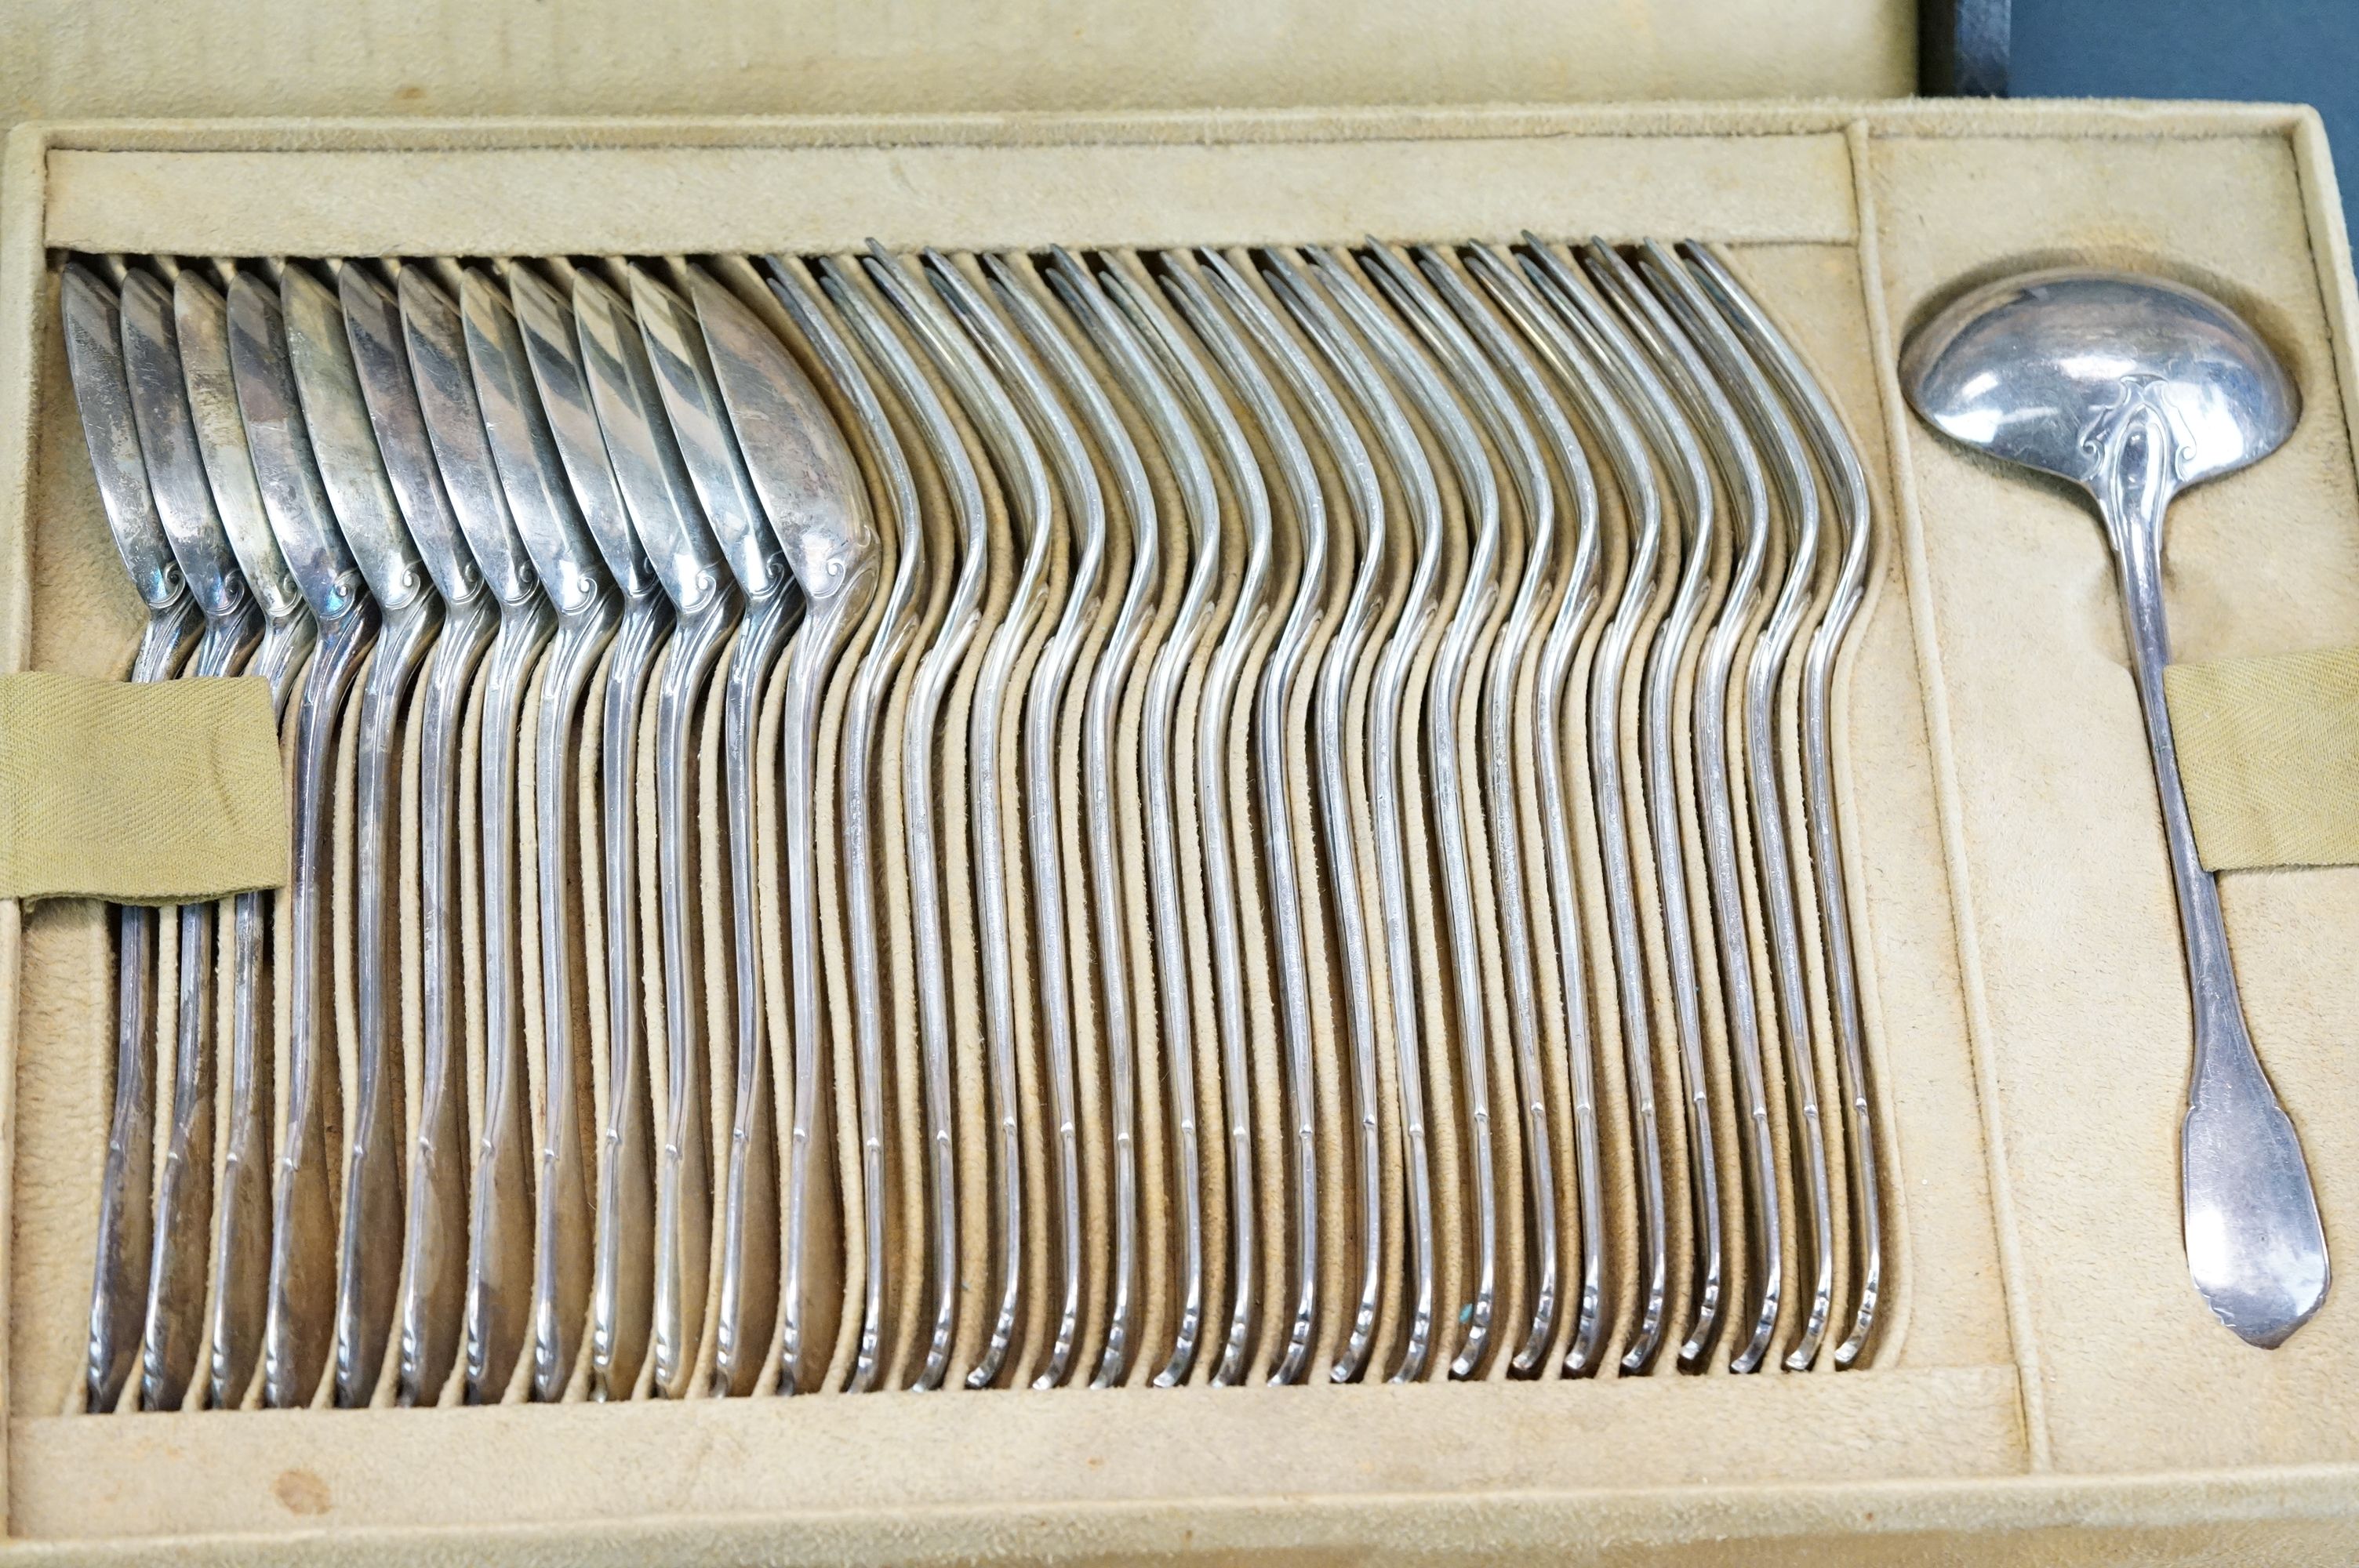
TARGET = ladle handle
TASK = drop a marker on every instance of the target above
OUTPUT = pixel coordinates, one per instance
(2254, 1244)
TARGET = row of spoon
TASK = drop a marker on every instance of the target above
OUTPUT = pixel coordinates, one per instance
(454, 495)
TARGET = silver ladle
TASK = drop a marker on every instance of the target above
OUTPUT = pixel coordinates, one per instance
(816, 502)
(2136, 388)
(872, 679)
(697, 580)
(193, 527)
(381, 356)
(938, 666)
(443, 1314)
(240, 1258)
(368, 1266)
(573, 575)
(692, 397)
(93, 324)
(334, 583)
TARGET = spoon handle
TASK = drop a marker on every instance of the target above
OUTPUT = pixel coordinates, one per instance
(2254, 1244)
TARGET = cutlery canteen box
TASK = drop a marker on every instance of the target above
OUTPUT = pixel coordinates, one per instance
(2047, 1386)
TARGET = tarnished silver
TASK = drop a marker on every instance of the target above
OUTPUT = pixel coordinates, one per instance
(1565, 330)
(238, 1247)
(816, 502)
(1026, 477)
(233, 627)
(381, 356)
(2135, 388)
(1273, 704)
(1083, 512)
(716, 469)
(1338, 786)
(573, 575)
(937, 667)
(1321, 314)
(888, 644)
(367, 1265)
(1708, 368)
(103, 393)
(1575, 609)
(294, 1341)
(688, 565)
(1116, 659)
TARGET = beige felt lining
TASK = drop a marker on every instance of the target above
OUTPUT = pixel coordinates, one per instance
(2010, 1157)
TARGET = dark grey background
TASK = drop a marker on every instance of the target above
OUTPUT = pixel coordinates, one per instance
(2286, 52)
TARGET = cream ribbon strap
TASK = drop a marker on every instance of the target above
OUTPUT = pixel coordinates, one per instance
(2269, 748)
(139, 793)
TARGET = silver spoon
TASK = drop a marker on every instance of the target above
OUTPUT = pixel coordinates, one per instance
(1567, 329)
(708, 449)
(816, 501)
(193, 527)
(1708, 390)
(94, 356)
(298, 1270)
(937, 667)
(240, 1256)
(1214, 706)
(1512, 437)
(1273, 706)
(1338, 786)
(1027, 475)
(696, 578)
(366, 1270)
(1642, 355)
(1575, 609)
(879, 663)
(447, 1249)
(566, 1233)
(1220, 833)
(1108, 310)
(381, 357)
(2135, 389)
(573, 575)
(1746, 498)
(1478, 591)
(1084, 510)
(1839, 458)
(1117, 657)
(1446, 336)
(1321, 315)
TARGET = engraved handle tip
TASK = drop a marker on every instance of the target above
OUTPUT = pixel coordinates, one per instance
(2255, 1243)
